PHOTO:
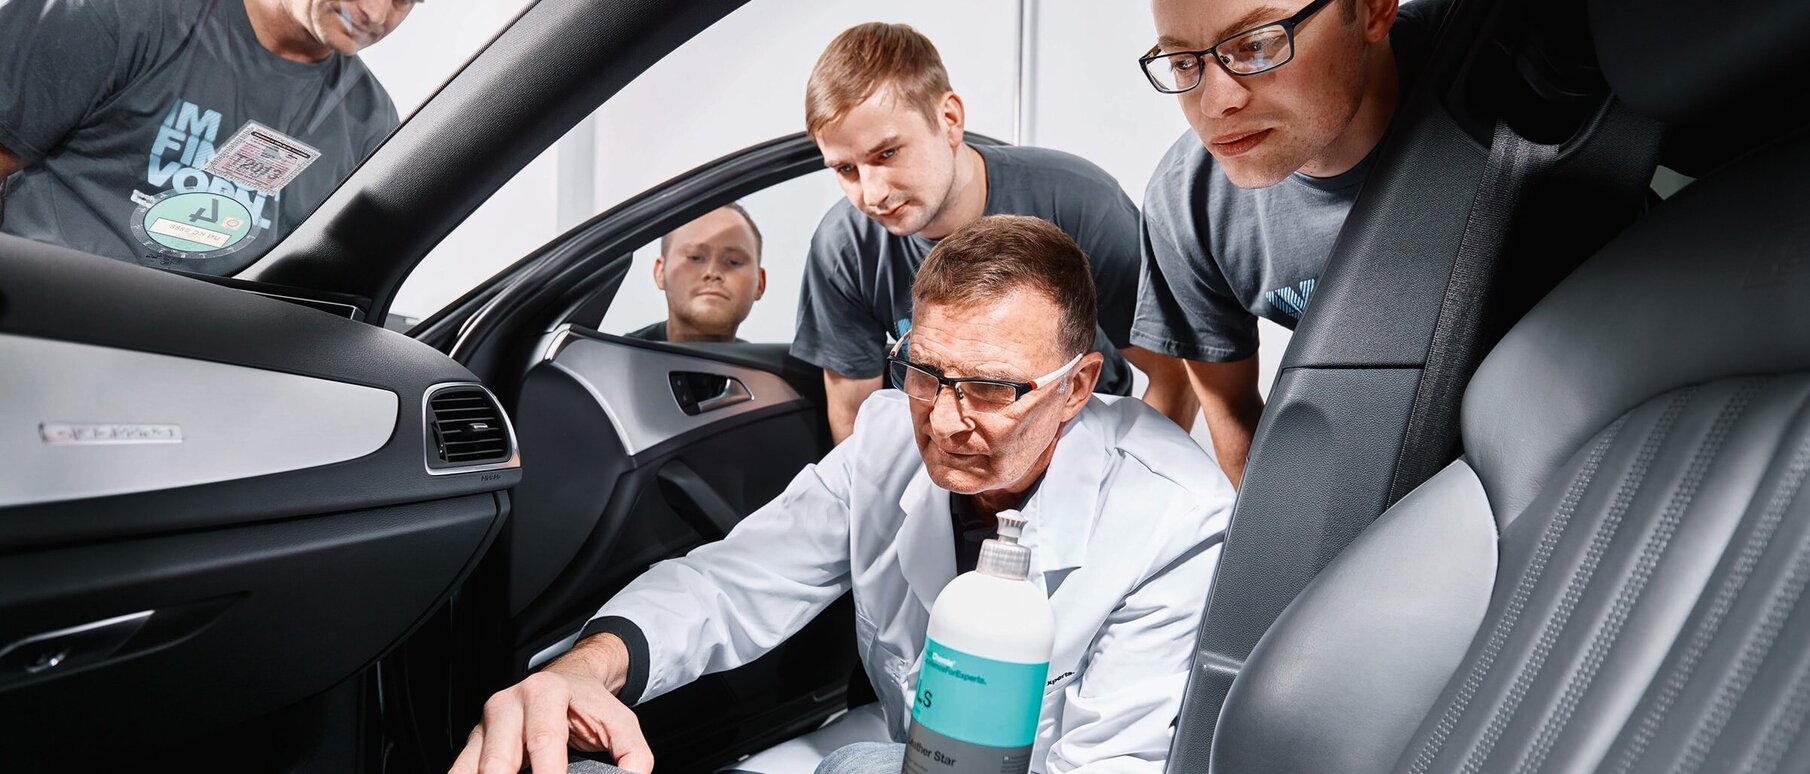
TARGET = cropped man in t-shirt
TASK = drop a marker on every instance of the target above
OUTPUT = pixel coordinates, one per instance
(109, 106)
(1287, 105)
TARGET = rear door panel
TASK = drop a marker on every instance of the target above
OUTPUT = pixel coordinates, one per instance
(625, 475)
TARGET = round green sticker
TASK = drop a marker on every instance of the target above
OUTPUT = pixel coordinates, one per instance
(193, 225)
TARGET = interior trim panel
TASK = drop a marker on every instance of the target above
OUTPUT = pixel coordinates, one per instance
(635, 390)
(90, 421)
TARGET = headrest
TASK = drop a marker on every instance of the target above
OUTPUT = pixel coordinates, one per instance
(1724, 76)
(1711, 284)
(1691, 61)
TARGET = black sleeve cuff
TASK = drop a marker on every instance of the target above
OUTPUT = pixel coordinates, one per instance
(631, 635)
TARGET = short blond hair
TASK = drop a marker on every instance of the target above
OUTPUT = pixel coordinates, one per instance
(866, 58)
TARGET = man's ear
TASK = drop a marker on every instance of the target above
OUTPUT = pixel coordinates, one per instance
(1081, 384)
(952, 118)
(660, 272)
(760, 288)
(1378, 17)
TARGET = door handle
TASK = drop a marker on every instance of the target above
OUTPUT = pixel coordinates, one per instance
(697, 392)
(69, 649)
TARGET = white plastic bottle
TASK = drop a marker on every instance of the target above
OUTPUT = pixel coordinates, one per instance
(986, 656)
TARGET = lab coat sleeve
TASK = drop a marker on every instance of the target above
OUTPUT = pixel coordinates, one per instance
(729, 602)
(1118, 713)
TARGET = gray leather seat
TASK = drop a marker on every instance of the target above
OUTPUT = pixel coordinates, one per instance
(1612, 578)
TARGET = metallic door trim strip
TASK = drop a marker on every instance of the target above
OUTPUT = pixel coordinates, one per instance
(220, 422)
(631, 384)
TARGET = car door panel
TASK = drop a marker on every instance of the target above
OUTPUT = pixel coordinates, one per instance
(624, 477)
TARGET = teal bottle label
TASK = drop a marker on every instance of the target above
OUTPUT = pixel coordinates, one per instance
(973, 714)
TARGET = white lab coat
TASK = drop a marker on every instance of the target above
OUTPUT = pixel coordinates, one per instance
(1124, 533)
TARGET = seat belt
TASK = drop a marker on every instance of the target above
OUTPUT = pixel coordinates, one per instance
(1431, 439)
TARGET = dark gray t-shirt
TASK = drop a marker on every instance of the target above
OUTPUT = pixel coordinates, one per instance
(657, 332)
(857, 283)
(1216, 257)
(105, 98)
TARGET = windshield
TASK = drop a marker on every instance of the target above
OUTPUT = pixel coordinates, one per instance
(196, 134)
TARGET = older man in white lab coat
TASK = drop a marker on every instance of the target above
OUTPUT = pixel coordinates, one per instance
(993, 412)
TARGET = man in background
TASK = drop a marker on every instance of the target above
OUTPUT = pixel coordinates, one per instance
(710, 271)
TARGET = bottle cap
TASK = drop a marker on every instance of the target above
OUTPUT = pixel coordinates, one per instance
(1003, 557)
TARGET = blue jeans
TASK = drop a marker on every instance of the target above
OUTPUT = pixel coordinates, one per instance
(865, 758)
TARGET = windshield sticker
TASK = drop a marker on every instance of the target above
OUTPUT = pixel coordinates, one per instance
(198, 224)
(261, 158)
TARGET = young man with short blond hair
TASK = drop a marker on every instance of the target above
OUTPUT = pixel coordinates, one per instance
(882, 111)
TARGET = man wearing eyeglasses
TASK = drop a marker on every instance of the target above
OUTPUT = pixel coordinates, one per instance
(993, 411)
(1287, 106)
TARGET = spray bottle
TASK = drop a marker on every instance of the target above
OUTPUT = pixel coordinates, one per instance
(986, 655)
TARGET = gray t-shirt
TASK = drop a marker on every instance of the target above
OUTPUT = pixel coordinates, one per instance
(107, 98)
(1216, 257)
(857, 282)
(657, 332)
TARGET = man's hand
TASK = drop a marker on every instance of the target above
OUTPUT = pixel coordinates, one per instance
(1230, 401)
(572, 702)
(1169, 390)
(843, 396)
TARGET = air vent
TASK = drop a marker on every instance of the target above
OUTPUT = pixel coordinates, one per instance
(465, 429)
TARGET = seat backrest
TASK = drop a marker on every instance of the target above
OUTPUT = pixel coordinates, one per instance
(1452, 239)
(1610, 579)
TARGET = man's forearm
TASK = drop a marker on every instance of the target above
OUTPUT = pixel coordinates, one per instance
(601, 656)
(842, 397)
(1232, 434)
(1169, 390)
(1232, 405)
(842, 418)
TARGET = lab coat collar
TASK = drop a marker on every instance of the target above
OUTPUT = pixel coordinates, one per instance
(926, 541)
(1061, 514)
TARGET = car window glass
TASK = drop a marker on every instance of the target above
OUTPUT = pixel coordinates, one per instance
(785, 214)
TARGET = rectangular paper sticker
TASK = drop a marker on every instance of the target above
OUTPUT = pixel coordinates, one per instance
(261, 158)
(205, 236)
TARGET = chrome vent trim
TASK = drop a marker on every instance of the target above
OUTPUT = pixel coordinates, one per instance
(467, 432)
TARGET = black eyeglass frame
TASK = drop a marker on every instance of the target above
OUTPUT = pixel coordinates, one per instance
(1288, 26)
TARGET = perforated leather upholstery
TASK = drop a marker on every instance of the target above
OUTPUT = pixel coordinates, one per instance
(1612, 578)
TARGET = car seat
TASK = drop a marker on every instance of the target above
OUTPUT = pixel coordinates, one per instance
(1609, 577)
